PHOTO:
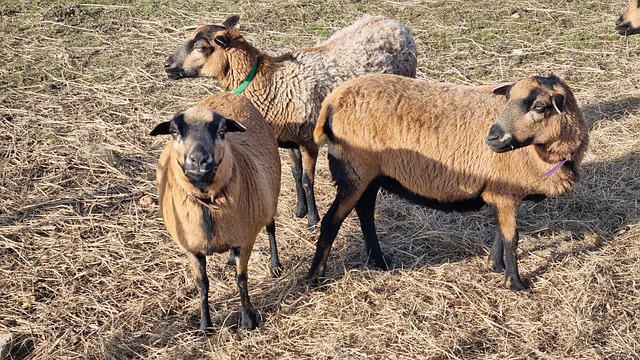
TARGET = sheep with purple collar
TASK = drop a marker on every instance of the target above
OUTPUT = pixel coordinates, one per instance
(423, 140)
(288, 89)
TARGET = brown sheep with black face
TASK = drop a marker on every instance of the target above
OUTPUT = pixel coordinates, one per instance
(423, 140)
(288, 89)
(629, 22)
(218, 183)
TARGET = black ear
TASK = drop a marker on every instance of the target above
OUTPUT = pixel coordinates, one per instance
(502, 90)
(558, 103)
(231, 21)
(234, 126)
(163, 128)
(221, 40)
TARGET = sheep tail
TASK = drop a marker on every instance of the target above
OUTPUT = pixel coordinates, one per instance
(323, 132)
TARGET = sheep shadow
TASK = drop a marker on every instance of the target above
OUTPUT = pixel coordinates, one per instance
(582, 213)
(609, 111)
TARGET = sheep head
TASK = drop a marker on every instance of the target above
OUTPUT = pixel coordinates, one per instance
(204, 53)
(200, 154)
(533, 113)
(629, 22)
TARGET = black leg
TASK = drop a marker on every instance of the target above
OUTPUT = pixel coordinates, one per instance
(365, 209)
(249, 320)
(507, 222)
(276, 267)
(199, 265)
(295, 158)
(309, 158)
(329, 227)
(232, 259)
(496, 256)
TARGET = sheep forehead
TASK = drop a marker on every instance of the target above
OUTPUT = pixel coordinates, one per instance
(535, 88)
(200, 30)
(198, 115)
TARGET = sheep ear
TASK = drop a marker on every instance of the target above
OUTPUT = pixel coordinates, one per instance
(163, 128)
(221, 40)
(212, 29)
(231, 21)
(234, 126)
(558, 103)
(502, 90)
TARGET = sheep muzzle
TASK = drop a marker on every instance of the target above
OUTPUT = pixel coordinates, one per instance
(499, 140)
(199, 165)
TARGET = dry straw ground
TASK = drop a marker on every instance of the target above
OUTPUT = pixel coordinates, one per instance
(88, 271)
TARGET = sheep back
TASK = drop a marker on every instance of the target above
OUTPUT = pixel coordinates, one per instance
(430, 137)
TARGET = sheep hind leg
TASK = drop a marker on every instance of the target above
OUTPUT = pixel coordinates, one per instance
(309, 158)
(232, 259)
(248, 320)
(365, 210)
(507, 222)
(199, 265)
(295, 158)
(331, 222)
(496, 256)
(276, 267)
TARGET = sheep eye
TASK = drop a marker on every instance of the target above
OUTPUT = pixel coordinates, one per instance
(539, 107)
(173, 129)
(221, 132)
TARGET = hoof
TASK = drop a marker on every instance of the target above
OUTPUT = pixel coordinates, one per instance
(314, 277)
(515, 284)
(496, 266)
(384, 263)
(276, 271)
(312, 223)
(203, 332)
(301, 211)
(249, 320)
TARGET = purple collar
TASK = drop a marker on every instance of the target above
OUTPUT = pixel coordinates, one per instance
(555, 168)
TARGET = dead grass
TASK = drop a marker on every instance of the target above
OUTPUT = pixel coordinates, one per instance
(88, 271)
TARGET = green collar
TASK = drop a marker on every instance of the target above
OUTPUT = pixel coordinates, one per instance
(245, 82)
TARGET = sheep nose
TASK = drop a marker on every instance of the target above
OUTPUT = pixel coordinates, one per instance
(495, 133)
(168, 63)
(199, 157)
(619, 21)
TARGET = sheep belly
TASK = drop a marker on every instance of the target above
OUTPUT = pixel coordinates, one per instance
(464, 204)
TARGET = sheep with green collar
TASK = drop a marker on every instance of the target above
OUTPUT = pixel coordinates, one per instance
(288, 89)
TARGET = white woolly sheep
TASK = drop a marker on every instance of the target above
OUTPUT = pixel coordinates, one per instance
(288, 89)
(629, 22)
(218, 183)
(422, 140)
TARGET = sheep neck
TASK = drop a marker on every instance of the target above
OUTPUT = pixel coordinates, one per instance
(243, 85)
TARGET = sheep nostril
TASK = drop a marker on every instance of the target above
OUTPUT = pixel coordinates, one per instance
(495, 133)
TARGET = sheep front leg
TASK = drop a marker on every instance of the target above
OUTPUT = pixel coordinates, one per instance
(249, 320)
(496, 256)
(507, 223)
(309, 158)
(199, 265)
(276, 267)
(365, 209)
(295, 158)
